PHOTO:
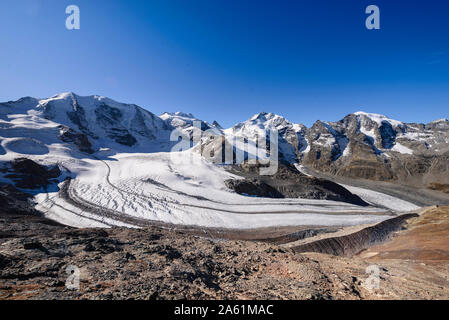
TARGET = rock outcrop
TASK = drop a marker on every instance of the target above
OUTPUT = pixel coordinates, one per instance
(288, 182)
(28, 174)
(80, 140)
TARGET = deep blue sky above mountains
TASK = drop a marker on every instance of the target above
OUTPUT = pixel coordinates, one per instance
(230, 59)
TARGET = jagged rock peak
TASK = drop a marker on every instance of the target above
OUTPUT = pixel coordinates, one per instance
(216, 125)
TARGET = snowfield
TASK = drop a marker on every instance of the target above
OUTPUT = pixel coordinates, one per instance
(181, 188)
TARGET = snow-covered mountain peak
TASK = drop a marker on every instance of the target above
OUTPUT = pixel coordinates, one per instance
(443, 120)
(291, 135)
(179, 114)
(267, 121)
(263, 116)
(269, 118)
(63, 95)
(98, 121)
(441, 125)
(378, 118)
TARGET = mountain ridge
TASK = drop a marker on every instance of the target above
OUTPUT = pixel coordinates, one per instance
(362, 144)
(186, 114)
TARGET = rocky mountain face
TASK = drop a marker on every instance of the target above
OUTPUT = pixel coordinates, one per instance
(160, 263)
(361, 145)
(372, 146)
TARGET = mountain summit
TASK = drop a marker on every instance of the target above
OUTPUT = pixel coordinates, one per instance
(99, 121)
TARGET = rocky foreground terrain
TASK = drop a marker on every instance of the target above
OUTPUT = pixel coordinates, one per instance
(156, 263)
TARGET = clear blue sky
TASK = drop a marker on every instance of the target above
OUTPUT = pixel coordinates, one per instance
(229, 59)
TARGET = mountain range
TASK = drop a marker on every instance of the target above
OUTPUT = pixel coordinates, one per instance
(361, 145)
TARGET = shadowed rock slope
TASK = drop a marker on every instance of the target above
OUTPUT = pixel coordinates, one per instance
(288, 182)
(352, 244)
